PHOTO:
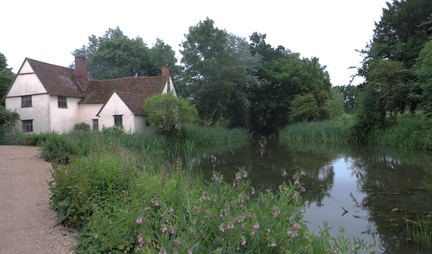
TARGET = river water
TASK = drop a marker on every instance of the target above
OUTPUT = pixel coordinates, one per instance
(379, 187)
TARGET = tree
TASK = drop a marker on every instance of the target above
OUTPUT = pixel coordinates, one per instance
(6, 78)
(350, 95)
(304, 108)
(423, 71)
(335, 104)
(8, 120)
(282, 80)
(167, 114)
(115, 55)
(211, 70)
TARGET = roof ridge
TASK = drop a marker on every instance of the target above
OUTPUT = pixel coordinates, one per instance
(31, 59)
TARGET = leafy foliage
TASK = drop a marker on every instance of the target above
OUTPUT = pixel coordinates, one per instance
(8, 121)
(168, 114)
(81, 127)
(115, 55)
(6, 77)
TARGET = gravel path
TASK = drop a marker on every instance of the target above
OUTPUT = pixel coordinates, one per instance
(27, 222)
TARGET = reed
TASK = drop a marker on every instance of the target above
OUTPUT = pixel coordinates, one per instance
(419, 231)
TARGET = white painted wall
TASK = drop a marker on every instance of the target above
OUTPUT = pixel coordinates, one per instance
(64, 119)
(171, 86)
(115, 106)
(26, 83)
(88, 112)
(39, 112)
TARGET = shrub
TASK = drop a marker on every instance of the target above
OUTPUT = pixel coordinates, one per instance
(81, 127)
(58, 148)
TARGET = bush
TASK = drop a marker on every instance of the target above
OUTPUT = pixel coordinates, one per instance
(81, 127)
(57, 148)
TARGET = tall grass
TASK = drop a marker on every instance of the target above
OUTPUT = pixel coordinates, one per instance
(410, 132)
(331, 131)
(419, 231)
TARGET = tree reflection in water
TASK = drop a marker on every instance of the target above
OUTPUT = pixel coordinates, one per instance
(379, 187)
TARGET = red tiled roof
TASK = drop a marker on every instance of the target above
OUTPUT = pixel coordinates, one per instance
(58, 80)
(99, 91)
(133, 101)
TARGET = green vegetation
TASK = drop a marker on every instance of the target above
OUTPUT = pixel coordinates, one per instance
(169, 115)
(419, 231)
(128, 193)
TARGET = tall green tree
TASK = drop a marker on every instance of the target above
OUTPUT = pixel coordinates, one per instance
(350, 95)
(282, 81)
(6, 77)
(423, 71)
(115, 55)
(211, 70)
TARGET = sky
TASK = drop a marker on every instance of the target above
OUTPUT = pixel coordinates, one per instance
(331, 30)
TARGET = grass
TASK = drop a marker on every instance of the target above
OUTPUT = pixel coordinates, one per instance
(419, 231)
(127, 194)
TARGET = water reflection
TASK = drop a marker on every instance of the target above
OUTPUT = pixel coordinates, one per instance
(368, 191)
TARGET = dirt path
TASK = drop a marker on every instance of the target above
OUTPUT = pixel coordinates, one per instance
(27, 223)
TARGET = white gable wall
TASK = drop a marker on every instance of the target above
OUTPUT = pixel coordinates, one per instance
(171, 87)
(115, 106)
(26, 83)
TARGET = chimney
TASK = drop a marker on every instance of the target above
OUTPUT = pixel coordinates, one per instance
(165, 72)
(80, 66)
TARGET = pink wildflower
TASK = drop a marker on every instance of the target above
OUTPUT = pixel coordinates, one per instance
(163, 230)
(252, 233)
(273, 244)
(296, 226)
(256, 226)
(296, 183)
(139, 221)
(280, 187)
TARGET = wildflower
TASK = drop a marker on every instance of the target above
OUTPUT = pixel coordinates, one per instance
(296, 226)
(245, 174)
(302, 189)
(291, 234)
(172, 231)
(243, 242)
(164, 229)
(139, 221)
(303, 173)
(273, 244)
(171, 210)
(256, 226)
(382, 248)
(252, 233)
(280, 187)
(189, 252)
(268, 231)
(276, 213)
(222, 229)
(296, 183)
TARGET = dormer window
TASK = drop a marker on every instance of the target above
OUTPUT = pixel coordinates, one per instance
(62, 102)
(26, 101)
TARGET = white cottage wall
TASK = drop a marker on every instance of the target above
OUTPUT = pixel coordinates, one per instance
(115, 106)
(39, 112)
(88, 112)
(64, 119)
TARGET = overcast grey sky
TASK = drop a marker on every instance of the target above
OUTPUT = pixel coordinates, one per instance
(49, 30)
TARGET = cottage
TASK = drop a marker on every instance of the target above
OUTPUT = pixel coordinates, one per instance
(54, 98)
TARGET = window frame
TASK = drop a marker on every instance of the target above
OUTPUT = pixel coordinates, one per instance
(118, 120)
(26, 101)
(27, 125)
(62, 101)
(95, 124)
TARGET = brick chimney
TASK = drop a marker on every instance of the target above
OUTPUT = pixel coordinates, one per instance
(166, 74)
(80, 66)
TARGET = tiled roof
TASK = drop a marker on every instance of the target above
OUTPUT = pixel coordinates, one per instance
(133, 101)
(58, 80)
(99, 91)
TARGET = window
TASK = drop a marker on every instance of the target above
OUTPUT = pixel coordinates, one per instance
(27, 125)
(26, 101)
(62, 102)
(118, 120)
(95, 124)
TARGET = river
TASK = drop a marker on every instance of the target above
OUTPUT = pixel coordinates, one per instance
(378, 187)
